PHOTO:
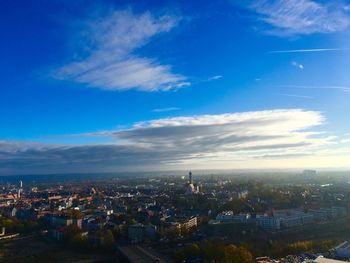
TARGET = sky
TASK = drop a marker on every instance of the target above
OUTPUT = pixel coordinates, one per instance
(107, 86)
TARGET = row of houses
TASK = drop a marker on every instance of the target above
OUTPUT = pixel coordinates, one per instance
(280, 219)
(138, 233)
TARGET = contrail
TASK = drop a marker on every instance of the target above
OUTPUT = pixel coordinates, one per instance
(307, 50)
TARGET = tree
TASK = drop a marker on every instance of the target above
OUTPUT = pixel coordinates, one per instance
(220, 253)
(192, 251)
(70, 232)
(213, 252)
(80, 242)
(108, 240)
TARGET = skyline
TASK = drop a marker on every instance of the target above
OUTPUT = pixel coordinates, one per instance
(172, 85)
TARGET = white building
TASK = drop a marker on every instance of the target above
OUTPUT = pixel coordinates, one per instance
(268, 222)
(293, 218)
(230, 217)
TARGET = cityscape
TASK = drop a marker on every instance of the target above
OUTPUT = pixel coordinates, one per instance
(231, 216)
(174, 131)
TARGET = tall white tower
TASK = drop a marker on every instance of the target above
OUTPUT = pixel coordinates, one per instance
(20, 190)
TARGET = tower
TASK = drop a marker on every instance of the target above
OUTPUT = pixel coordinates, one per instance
(20, 189)
(191, 188)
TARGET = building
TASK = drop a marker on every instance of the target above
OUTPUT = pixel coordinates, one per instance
(291, 221)
(58, 220)
(307, 218)
(230, 217)
(289, 218)
(265, 260)
(293, 218)
(269, 223)
(319, 214)
(328, 213)
(191, 188)
(179, 225)
(241, 194)
(322, 259)
(343, 250)
(10, 211)
(190, 223)
(27, 214)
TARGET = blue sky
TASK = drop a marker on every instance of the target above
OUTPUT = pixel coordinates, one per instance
(124, 85)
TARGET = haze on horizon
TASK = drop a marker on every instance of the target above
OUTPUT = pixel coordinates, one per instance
(173, 85)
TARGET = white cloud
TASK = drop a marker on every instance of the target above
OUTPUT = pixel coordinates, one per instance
(345, 139)
(300, 17)
(112, 61)
(220, 141)
(298, 65)
(306, 119)
(166, 109)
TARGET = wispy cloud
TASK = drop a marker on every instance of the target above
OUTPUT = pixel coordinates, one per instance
(166, 109)
(345, 89)
(224, 139)
(295, 96)
(345, 141)
(307, 50)
(216, 77)
(208, 79)
(297, 64)
(300, 17)
(112, 62)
